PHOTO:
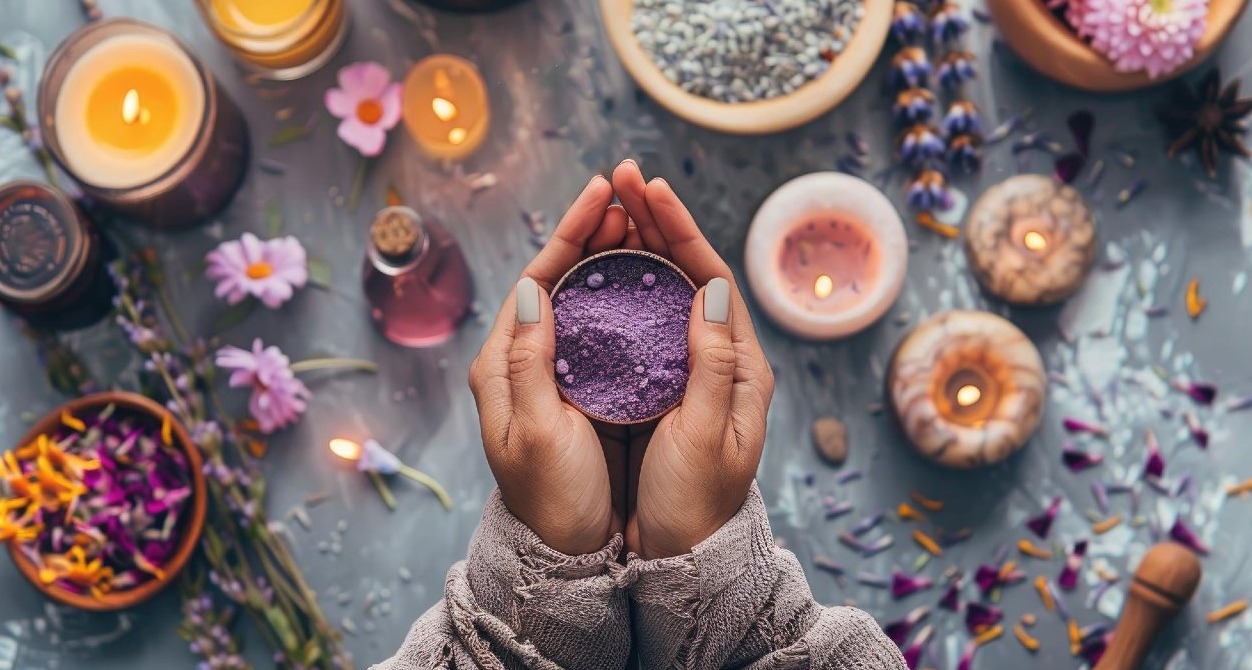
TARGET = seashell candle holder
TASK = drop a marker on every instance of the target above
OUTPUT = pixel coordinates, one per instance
(1030, 240)
(967, 388)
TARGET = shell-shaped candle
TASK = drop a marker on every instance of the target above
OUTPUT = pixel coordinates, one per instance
(1030, 240)
(967, 387)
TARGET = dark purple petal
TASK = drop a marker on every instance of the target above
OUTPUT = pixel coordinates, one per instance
(1077, 461)
(898, 631)
(913, 654)
(835, 509)
(1068, 579)
(1200, 392)
(980, 617)
(1101, 495)
(1183, 535)
(987, 578)
(1155, 465)
(1198, 433)
(1042, 524)
(1078, 426)
(951, 599)
(1067, 167)
(1081, 123)
(903, 584)
(967, 656)
(868, 523)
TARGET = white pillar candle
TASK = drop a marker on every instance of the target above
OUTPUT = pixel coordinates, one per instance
(826, 255)
(129, 110)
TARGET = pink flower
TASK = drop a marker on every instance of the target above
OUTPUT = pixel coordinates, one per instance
(277, 396)
(1153, 35)
(270, 270)
(369, 104)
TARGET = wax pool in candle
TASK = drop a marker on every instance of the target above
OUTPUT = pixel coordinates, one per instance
(446, 109)
(254, 15)
(826, 263)
(129, 110)
(621, 336)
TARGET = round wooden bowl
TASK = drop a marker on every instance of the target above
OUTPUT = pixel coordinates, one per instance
(1053, 49)
(764, 116)
(192, 525)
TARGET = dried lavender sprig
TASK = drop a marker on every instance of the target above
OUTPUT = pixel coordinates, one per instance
(19, 123)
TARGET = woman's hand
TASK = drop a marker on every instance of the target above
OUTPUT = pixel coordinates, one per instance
(546, 456)
(700, 461)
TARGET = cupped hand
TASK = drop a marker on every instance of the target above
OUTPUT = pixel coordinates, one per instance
(695, 471)
(554, 472)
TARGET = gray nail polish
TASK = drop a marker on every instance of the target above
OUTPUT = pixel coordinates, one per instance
(527, 301)
(717, 301)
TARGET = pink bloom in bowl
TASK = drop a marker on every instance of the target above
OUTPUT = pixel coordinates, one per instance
(369, 104)
(269, 270)
(1156, 36)
(277, 396)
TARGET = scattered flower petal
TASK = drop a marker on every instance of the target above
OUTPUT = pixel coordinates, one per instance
(1042, 524)
(903, 585)
(1045, 593)
(1068, 579)
(827, 564)
(1030, 643)
(906, 512)
(951, 599)
(1028, 548)
(1104, 526)
(1079, 426)
(1067, 168)
(913, 653)
(1183, 535)
(928, 503)
(1155, 464)
(927, 542)
(898, 631)
(1077, 460)
(1202, 393)
(1221, 614)
(980, 617)
(1198, 433)
(868, 523)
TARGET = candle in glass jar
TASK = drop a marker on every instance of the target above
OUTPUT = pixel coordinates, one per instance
(1031, 240)
(132, 116)
(279, 39)
(967, 388)
(826, 255)
(446, 108)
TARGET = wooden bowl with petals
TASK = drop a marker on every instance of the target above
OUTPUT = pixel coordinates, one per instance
(190, 525)
(763, 116)
(1053, 49)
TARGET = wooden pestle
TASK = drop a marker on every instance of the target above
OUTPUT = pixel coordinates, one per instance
(1163, 584)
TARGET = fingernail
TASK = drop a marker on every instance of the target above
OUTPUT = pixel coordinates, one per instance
(658, 180)
(595, 179)
(716, 301)
(527, 301)
(631, 161)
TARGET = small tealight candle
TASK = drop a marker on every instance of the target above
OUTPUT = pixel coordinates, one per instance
(445, 105)
(1031, 240)
(826, 255)
(280, 39)
(140, 124)
(967, 387)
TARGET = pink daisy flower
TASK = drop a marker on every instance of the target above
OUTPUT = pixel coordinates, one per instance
(277, 396)
(1156, 36)
(269, 270)
(369, 104)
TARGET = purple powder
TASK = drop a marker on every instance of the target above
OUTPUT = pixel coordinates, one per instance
(623, 340)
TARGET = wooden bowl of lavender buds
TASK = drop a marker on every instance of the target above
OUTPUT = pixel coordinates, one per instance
(746, 67)
(102, 502)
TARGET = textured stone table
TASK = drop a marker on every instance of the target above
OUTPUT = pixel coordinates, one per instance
(564, 108)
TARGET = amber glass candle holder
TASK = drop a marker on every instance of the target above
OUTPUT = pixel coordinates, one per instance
(141, 124)
(278, 39)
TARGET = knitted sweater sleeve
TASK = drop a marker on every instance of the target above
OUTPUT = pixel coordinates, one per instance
(739, 601)
(517, 603)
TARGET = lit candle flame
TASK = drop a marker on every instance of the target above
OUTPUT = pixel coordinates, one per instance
(130, 107)
(1035, 241)
(457, 135)
(444, 109)
(823, 287)
(968, 395)
(345, 449)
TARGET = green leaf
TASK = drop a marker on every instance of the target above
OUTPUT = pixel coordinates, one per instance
(289, 134)
(273, 220)
(8, 52)
(282, 629)
(320, 274)
(234, 315)
(8, 122)
(312, 652)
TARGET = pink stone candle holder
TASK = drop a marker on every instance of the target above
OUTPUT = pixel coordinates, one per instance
(826, 255)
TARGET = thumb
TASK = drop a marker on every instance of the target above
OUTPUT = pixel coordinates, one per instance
(536, 401)
(706, 406)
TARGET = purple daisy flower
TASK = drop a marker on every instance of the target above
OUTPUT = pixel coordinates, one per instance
(278, 398)
(269, 270)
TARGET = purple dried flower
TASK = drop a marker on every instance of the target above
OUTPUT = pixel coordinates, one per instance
(1183, 535)
(947, 24)
(1067, 167)
(827, 564)
(913, 654)
(1094, 646)
(1198, 433)
(871, 579)
(1081, 123)
(980, 617)
(849, 476)
(956, 68)
(913, 105)
(929, 191)
(1042, 524)
(1155, 465)
(920, 143)
(1077, 460)
(868, 523)
(951, 599)
(1068, 578)
(1202, 393)
(964, 153)
(903, 584)
(1101, 495)
(898, 631)
(835, 509)
(910, 68)
(908, 24)
(987, 577)
(1239, 404)
(962, 118)
(1079, 426)
(967, 656)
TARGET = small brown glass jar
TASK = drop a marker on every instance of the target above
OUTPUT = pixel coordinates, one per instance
(50, 255)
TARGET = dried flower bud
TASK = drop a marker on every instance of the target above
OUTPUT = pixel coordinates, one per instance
(13, 94)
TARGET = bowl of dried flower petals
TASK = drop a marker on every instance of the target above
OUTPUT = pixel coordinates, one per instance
(1114, 45)
(102, 502)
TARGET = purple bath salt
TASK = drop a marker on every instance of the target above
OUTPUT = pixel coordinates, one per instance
(623, 339)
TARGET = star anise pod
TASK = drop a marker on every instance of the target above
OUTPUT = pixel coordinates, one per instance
(1208, 118)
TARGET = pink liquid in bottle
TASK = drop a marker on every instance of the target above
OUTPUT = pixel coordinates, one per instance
(416, 279)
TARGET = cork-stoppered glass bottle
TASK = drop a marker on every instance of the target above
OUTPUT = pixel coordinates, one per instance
(416, 279)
